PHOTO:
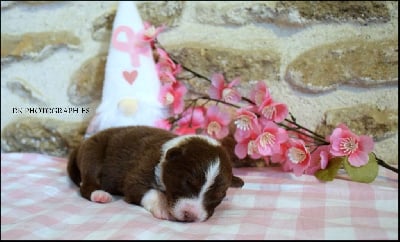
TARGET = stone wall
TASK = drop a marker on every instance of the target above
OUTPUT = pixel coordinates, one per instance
(330, 62)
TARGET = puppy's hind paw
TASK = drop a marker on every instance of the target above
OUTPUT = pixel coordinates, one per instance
(100, 196)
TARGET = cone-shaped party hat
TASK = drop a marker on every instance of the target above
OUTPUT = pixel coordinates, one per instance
(131, 84)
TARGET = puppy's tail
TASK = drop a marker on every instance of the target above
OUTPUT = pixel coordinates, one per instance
(72, 167)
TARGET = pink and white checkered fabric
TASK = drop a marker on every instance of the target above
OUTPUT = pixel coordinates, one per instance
(38, 201)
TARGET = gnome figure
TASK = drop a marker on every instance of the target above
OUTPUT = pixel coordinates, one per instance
(131, 85)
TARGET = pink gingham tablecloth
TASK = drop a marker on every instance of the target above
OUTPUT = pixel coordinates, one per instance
(39, 202)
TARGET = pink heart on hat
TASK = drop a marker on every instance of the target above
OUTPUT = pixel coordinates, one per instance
(130, 76)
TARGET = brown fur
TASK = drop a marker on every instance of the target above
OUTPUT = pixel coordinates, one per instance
(122, 161)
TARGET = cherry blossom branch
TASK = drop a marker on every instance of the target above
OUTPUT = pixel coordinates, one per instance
(299, 128)
(215, 100)
(384, 164)
(316, 137)
(317, 140)
(293, 121)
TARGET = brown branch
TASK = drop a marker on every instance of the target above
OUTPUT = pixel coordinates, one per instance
(384, 164)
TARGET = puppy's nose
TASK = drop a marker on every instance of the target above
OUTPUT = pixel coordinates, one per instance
(188, 216)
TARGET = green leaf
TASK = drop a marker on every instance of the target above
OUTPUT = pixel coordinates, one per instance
(329, 173)
(366, 173)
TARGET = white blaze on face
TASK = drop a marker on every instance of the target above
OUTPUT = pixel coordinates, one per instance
(176, 142)
(180, 140)
(192, 209)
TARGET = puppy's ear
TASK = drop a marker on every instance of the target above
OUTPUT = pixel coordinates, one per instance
(173, 153)
(236, 182)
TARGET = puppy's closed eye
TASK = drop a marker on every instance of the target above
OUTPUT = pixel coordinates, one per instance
(192, 183)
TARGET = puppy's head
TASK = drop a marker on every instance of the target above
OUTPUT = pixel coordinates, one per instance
(195, 173)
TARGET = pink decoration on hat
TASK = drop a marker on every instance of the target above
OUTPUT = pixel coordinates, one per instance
(133, 45)
(130, 76)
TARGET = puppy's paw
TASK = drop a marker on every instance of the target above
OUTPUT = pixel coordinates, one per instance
(156, 203)
(161, 213)
(100, 196)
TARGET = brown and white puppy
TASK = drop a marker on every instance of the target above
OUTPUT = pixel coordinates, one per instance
(174, 177)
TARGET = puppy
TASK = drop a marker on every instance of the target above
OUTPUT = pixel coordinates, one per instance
(174, 177)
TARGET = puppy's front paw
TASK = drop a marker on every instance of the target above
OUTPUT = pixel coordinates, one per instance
(100, 196)
(156, 203)
(161, 213)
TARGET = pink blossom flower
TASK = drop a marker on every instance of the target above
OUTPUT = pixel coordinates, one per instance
(245, 122)
(270, 140)
(247, 146)
(166, 77)
(259, 93)
(345, 143)
(167, 62)
(319, 159)
(149, 33)
(222, 91)
(280, 157)
(271, 110)
(216, 124)
(192, 120)
(166, 67)
(172, 95)
(297, 157)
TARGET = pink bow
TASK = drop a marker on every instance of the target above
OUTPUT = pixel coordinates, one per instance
(134, 44)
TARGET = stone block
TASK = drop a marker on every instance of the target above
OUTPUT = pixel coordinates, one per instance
(102, 26)
(27, 92)
(291, 13)
(207, 59)
(362, 12)
(42, 135)
(87, 82)
(35, 45)
(362, 120)
(357, 63)
(161, 12)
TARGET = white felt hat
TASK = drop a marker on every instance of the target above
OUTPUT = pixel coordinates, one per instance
(131, 84)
